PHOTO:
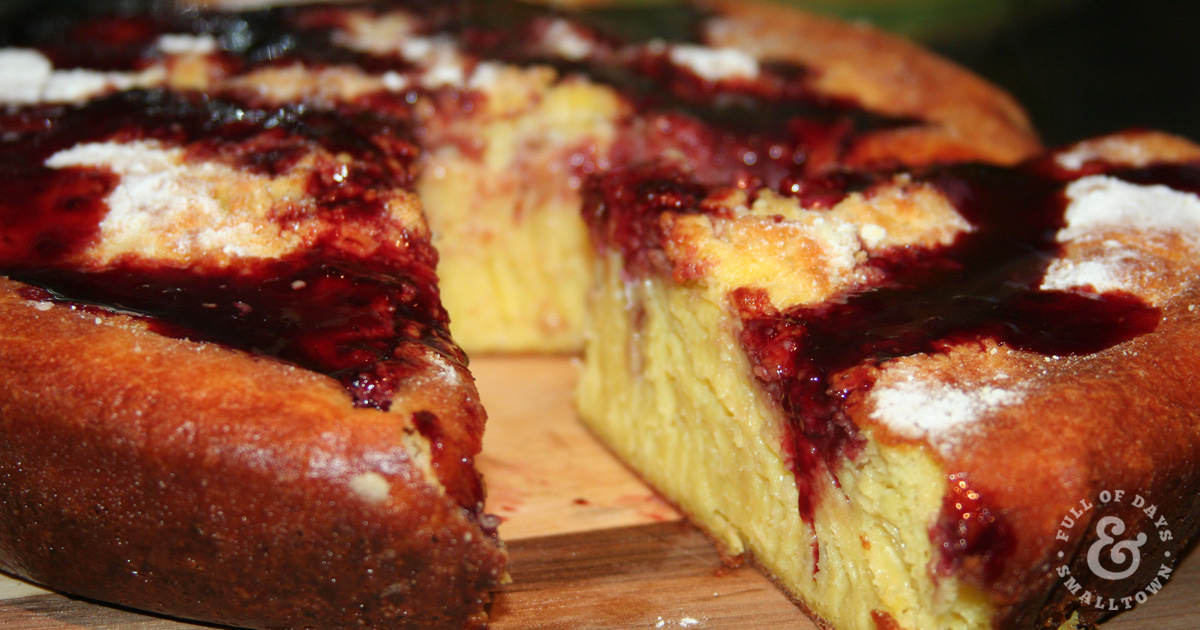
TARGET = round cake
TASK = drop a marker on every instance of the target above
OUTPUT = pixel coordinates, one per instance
(243, 251)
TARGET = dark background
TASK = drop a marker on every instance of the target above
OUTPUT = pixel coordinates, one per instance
(1096, 66)
(1080, 67)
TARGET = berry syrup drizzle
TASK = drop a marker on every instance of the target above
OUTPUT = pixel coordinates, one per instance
(326, 308)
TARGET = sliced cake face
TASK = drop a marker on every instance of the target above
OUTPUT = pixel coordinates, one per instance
(900, 383)
(516, 105)
(223, 337)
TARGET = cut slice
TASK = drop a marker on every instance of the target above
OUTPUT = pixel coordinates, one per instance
(896, 395)
(228, 391)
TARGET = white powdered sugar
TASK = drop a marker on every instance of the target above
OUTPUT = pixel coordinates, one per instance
(394, 81)
(438, 57)
(715, 64)
(164, 207)
(1100, 202)
(872, 235)
(442, 370)
(939, 411)
(486, 75)
(1100, 149)
(372, 487)
(187, 44)
(564, 39)
(23, 75)
(377, 34)
(445, 72)
(1101, 205)
(1109, 271)
(27, 76)
(70, 86)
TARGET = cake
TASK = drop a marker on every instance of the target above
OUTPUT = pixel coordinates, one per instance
(229, 392)
(914, 397)
(269, 235)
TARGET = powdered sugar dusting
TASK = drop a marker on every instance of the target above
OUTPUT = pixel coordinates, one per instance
(564, 39)
(187, 44)
(27, 77)
(486, 76)
(1100, 202)
(1107, 271)
(372, 487)
(715, 64)
(23, 75)
(916, 408)
(377, 33)
(1104, 149)
(394, 81)
(438, 59)
(442, 370)
(71, 86)
(165, 207)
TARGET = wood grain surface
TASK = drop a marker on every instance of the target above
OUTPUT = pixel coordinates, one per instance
(592, 547)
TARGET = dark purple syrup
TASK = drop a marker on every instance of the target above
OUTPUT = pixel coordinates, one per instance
(622, 207)
(968, 529)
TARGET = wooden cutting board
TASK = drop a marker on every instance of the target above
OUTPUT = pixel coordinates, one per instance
(592, 547)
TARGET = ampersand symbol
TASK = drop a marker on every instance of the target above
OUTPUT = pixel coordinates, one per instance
(1122, 552)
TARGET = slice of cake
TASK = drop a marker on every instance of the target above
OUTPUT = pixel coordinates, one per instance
(227, 391)
(953, 397)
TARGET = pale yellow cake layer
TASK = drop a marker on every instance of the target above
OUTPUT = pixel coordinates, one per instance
(668, 387)
(505, 210)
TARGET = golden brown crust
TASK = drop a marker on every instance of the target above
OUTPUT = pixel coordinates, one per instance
(1122, 422)
(205, 483)
(967, 118)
